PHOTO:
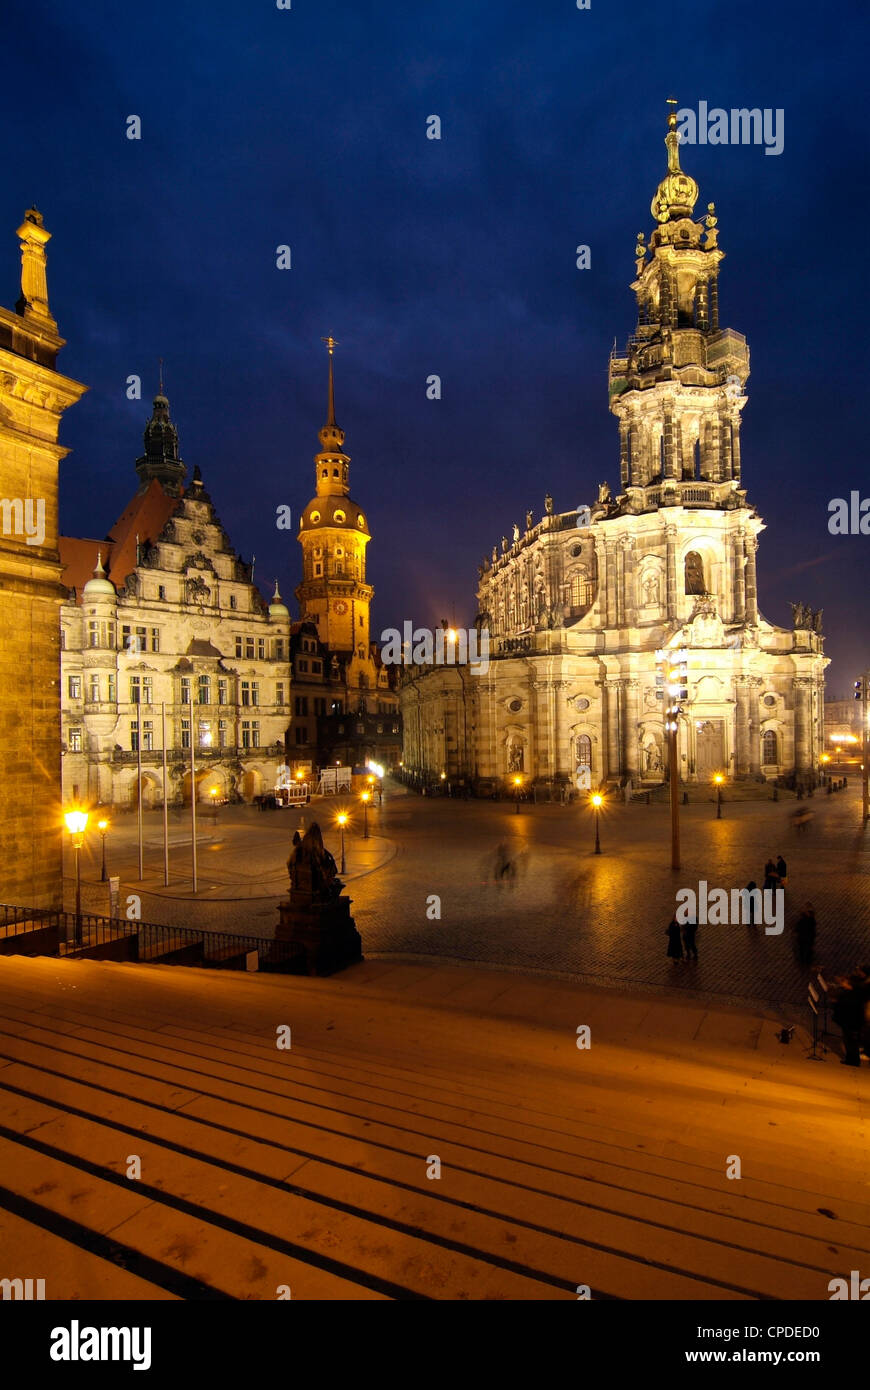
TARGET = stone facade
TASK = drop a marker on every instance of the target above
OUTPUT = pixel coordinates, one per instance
(580, 602)
(33, 397)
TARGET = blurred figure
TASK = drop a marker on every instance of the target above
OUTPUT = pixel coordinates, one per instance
(806, 933)
(690, 931)
(771, 879)
(781, 870)
(505, 868)
(848, 1014)
(675, 945)
(751, 887)
(801, 818)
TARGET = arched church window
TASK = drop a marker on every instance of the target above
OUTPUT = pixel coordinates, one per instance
(769, 748)
(584, 751)
(694, 567)
(581, 590)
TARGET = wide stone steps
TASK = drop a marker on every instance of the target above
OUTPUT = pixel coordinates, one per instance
(307, 1168)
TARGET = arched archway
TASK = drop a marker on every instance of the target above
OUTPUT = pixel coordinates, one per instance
(251, 784)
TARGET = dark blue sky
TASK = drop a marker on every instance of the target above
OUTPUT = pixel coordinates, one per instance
(307, 127)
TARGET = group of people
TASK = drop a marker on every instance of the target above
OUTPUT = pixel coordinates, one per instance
(681, 940)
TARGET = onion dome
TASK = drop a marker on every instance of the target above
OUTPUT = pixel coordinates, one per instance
(677, 193)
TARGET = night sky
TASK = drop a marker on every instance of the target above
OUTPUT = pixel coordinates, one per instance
(307, 127)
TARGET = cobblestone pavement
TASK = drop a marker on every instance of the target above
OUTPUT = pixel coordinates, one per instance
(569, 911)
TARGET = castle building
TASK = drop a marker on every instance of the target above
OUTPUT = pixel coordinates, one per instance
(33, 397)
(165, 636)
(578, 604)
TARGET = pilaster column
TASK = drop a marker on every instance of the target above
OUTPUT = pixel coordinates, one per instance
(754, 685)
(669, 469)
(629, 731)
(612, 696)
(738, 584)
(735, 445)
(750, 547)
(714, 301)
(671, 562)
(629, 588)
(610, 582)
(741, 767)
(802, 741)
(624, 446)
(634, 452)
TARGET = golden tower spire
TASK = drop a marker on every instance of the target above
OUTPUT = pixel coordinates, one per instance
(677, 193)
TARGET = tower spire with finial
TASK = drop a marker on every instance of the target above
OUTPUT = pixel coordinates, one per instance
(331, 345)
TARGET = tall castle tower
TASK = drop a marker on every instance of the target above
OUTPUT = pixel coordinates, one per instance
(334, 533)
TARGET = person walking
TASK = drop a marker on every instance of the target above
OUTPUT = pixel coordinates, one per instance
(771, 880)
(690, 931)
(806, 934)
(781, 870)
(675, 945)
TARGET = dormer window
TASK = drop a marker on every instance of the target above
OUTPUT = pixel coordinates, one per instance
(315, 517)
(340, 516)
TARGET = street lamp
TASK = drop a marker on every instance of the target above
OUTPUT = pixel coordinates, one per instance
(718, 779)
(518, 782)
(597, 801)
(365, 801)
(76, 824)
(342, 822)
(103, 826)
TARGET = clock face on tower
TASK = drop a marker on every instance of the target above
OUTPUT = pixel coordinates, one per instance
(339, 606)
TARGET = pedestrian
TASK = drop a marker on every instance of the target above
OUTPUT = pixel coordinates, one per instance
(806, 933)
(771, 880)
(848, 1014)
(690, 931)
(675, 945)
(751, 887)
(781, 870)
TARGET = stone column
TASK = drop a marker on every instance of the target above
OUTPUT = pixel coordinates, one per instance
(671, 536)
(714, 302)
(629, 588)
(802, 740)
(612, 760)
(735, 445)
(610, 583)
(738, 572)
(741, 765)
(669, 469)
(629, 735)
(634, 453)
(750, 546)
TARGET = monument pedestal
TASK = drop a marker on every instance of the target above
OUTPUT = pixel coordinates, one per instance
(324, 931)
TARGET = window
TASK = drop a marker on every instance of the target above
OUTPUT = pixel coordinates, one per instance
(222, 692)
(222, 733)
(301, 705)
(155, 639)
(185, 690)
(255, 692)
(147, 690)
(232, 600)
(135, 690)
(769, 754)
(249, 647)
(261, 649)
(141, 639)
(161, 592)
(584, 752)
(75, 740)
(318, 569)
(339, 568)
(339, 515)
(203, 691)
(239, 646)
(250, 733)
(581, 590)
(74, 686)
(147, 735)
(134, 735)
(301, 665)
(185, 733)
(279, 648)
(319, 705)
(246, 692)
(93, 634)
(94, 689)
(300, 733)
(316, 667)
(113, 687)
(279, 693)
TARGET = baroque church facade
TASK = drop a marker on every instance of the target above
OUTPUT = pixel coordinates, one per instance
(580, 603)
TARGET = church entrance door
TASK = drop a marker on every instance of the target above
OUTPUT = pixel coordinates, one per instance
(709, 749)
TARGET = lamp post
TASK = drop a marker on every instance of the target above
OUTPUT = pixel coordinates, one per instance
(342, 822)
(103, 826)
(76, 824)
(518, 781)
(718, 779)
(597, 800)
(365, 802)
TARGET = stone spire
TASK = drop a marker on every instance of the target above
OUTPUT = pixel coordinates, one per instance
(160, 459)
(331, 465)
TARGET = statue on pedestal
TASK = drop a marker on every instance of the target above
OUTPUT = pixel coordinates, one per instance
(316, 917)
